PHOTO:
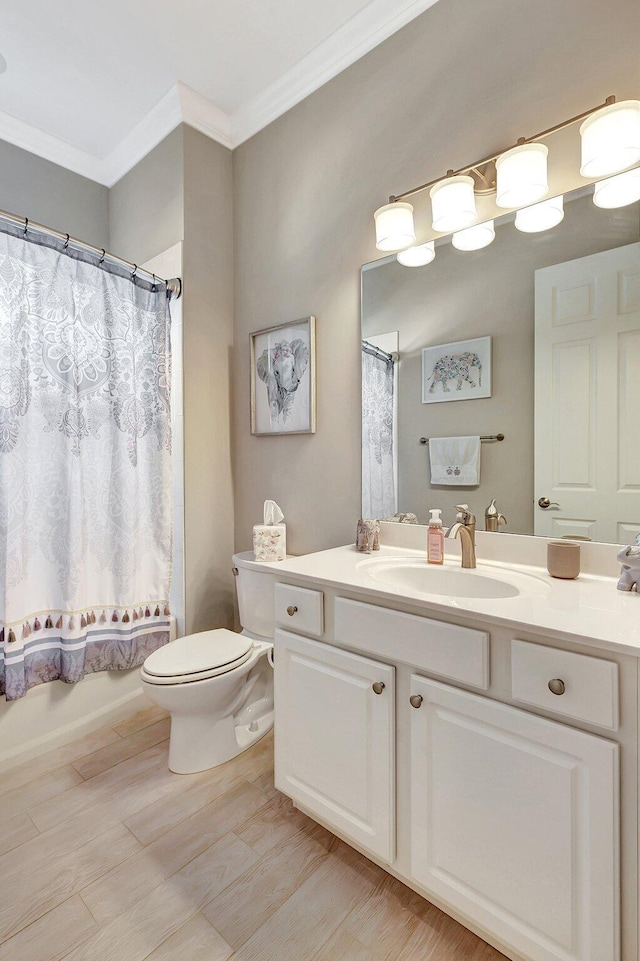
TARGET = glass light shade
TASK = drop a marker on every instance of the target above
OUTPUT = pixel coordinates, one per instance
(541, 216)
(522, 175)
(394, 226)
(474, 238)
(611, 139)
(453, 203)
(418, 256)
(618, 191)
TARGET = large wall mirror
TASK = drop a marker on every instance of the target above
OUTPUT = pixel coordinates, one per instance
(562, 311)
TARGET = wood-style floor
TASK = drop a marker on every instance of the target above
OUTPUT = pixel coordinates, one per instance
(107, 856)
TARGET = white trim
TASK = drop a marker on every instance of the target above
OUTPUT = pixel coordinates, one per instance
(364, 31)
(181, 104)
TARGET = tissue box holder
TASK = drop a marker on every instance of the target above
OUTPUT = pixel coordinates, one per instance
(270, 542)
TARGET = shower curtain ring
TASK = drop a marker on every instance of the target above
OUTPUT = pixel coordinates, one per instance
(101, 261)
(26, 224)
(134, 271)
(66, 243)
(154, 288)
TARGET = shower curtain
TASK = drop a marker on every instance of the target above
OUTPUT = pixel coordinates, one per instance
(378, 455)
(85, 472)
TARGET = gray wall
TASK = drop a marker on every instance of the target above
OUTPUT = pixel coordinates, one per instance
(462, 80)
(461, 295)
(208, 338)
(146, 209)
(35, 188)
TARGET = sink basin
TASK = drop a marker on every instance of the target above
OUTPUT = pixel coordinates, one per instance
(416, 576)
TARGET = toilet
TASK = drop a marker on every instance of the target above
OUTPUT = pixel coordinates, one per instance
(218, 685)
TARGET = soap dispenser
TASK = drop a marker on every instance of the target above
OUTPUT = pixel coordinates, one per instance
(435, 538)
(493, 518)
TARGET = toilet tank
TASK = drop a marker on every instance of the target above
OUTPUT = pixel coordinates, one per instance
(255, 593)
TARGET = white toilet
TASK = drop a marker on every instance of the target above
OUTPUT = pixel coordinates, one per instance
(218, 685)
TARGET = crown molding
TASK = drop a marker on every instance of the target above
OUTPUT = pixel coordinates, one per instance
(181, 104)
(364, 31)
(45, 145)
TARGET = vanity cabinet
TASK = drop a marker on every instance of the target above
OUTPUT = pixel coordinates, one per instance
(421, 742)
(514, 822)
(335, 739)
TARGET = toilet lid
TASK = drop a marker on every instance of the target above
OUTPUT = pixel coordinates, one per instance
(198, 653)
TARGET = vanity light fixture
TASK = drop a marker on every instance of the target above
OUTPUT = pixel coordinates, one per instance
(474, 238)
(618, 191)
(418, 256)
(453, 203)
(394, 226)
(611, 139)
(610, 143)
(542, 216)
(522, 175)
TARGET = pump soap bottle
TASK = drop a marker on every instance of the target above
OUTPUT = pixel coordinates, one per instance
(435, 538)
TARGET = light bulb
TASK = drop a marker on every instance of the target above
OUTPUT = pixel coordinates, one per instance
(418, 256)
(618, 191)
(521, 175)
(453, 203)
(540, 216)
(611, 139)
(394, 226)
(474, 238)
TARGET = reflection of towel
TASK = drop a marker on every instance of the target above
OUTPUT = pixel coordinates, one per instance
(455, 460)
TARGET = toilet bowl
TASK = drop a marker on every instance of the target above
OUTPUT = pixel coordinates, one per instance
(218, 685)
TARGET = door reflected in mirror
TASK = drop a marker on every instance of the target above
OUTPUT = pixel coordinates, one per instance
(562, 309)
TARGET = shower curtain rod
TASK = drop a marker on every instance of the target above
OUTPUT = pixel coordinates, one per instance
(174, 286)
(379, 352)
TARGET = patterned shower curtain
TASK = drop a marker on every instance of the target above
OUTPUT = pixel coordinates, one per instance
(85, 471)
(378, 455)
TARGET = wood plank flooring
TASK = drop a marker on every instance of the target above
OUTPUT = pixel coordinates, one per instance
(107, 856)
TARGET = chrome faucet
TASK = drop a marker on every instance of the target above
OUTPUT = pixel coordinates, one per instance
(465, 527)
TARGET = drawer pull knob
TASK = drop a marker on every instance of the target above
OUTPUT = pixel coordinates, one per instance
(415, 700)
(291, 610)
(378, 687)
(556, 686)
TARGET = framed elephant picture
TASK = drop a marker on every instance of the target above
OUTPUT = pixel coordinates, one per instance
(460, 371)
(283, 379)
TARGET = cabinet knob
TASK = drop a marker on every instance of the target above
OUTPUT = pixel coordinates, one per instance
(556, 686)
(291, 610)
(378, 687)
(415, 700)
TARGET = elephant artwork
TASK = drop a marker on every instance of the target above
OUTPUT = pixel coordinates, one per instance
(282, 379)
(458, 371)
(456, 367)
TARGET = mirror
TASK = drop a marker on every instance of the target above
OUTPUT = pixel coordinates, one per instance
(562, 311)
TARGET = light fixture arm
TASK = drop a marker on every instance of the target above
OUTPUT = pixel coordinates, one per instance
(487, 160)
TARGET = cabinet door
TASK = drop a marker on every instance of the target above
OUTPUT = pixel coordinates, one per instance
(334, 739)
(514, 822)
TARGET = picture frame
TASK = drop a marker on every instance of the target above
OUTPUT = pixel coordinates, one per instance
(457, 371)
(283, 379)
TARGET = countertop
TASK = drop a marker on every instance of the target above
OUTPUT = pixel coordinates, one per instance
(588, 610)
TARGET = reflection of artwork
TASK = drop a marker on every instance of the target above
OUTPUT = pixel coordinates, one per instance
(282, 379)
(460, 371)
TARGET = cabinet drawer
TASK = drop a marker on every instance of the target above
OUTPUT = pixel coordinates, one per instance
(299, 609)
(448, 650)
(589, 684)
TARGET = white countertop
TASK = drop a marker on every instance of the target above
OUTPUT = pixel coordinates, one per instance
(588, 610)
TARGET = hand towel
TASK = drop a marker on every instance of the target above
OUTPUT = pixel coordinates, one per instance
(455, 460)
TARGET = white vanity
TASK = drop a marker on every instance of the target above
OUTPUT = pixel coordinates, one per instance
(480, 745)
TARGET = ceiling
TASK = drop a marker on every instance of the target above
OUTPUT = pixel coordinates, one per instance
(95, 86)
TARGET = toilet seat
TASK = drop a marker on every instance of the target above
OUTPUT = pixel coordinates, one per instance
(197, 657)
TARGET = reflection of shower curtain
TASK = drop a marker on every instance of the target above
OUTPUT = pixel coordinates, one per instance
(378, 459)
(85, 472)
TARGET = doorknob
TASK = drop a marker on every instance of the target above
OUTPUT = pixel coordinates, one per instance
(545, 503)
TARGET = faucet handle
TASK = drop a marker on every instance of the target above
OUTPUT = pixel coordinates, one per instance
(465, 515)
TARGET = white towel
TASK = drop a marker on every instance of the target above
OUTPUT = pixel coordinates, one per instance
(455, 460)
